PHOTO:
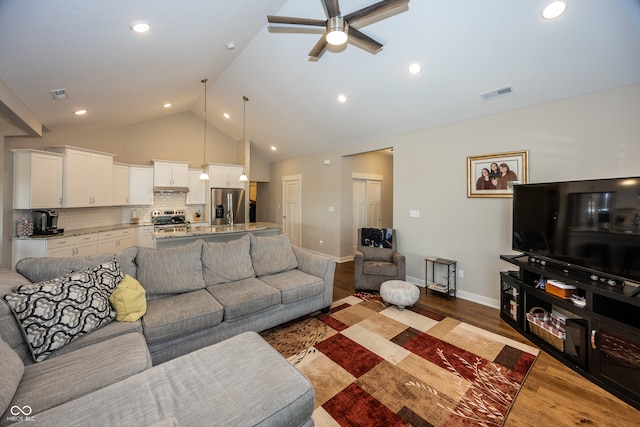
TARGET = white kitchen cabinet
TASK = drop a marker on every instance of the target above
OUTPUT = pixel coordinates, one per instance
(83, 245)
(140, 185)
(197, 188)
(225, 176)
(145, 236)
(87, 177)
(170, 174)
(111, 242)
(37, 179)
(120, 186)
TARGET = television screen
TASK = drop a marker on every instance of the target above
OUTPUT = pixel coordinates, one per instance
(592, 224)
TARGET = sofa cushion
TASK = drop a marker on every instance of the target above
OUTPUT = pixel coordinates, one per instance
(227, 261)
(295, 285)
(12, 369)
(245, 297)
(78, 373)
(271, 255)
(179, 315)
(380, 268)
(377, 254)
(55, 312)
(171, 270)
(241, 381)
(129, 300)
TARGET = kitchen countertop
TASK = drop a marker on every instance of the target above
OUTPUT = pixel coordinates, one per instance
(196, 230)
(82, 231)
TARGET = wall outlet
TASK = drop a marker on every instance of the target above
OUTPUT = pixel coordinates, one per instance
(461, 273)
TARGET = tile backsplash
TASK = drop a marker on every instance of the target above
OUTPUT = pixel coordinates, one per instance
(76, 218)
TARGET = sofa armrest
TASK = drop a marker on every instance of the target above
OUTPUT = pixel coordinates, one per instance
(400, 261)
(317, 265)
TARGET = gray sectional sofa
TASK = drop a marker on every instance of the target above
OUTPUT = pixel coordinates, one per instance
(194, 358)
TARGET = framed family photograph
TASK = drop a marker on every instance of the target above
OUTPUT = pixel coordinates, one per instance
(493, 175)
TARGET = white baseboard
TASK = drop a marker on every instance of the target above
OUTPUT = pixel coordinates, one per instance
(490, 302)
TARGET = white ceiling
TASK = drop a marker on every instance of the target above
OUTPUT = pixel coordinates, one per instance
(466, 47)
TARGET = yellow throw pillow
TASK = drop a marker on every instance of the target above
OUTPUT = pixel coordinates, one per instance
(129, 300)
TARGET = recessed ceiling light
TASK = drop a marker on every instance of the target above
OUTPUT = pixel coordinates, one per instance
(166, 105)
(230, 45)
(80, 112)
(342, 98)
(415, 68)
(140, 26)
(273, 148)
(554, 9)
(226, 115)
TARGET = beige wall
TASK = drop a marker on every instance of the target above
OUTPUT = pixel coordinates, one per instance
(591, 136)
(176, 137)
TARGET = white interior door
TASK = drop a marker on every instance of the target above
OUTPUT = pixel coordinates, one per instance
(359, 212)
(291, 212)
(374, 204)
(366, 205)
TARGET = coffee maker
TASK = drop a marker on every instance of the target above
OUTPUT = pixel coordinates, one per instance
(46, 222)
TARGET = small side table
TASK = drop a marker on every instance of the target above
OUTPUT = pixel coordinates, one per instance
(441, 276)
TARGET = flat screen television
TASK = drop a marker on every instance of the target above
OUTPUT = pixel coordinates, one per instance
(590, 225)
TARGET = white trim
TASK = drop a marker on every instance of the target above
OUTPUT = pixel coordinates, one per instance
(369, 176)
(292, 178)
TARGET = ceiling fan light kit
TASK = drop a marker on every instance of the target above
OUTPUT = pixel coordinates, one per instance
(341, 29)
(336, 31)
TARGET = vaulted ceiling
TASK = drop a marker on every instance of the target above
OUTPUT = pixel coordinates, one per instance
(466, 48)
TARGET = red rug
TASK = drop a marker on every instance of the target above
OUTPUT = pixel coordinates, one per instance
(373, 365)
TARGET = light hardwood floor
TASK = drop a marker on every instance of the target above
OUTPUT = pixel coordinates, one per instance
(552, 394)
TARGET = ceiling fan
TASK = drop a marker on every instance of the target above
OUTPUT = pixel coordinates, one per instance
(340, 28)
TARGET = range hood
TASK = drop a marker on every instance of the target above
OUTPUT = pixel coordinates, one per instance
(168, 189)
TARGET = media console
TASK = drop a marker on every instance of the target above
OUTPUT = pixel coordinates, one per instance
(600, 340)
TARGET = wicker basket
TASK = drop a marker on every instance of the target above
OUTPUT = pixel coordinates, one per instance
(544, 325)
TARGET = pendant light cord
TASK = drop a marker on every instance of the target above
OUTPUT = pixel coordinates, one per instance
(204, 155)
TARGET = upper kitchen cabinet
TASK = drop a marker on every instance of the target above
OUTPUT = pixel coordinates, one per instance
(87, 177)
(140, 185)
(225, 176)
(197, 188)
(120, 186)
(170, 175)
(37, 179)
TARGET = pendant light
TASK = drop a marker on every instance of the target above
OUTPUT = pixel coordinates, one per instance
(243, 177)
(204, 176)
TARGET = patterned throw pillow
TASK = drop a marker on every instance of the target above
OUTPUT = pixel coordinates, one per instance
(56, 312)
(108, 276)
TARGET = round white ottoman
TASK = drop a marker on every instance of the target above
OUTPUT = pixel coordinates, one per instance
(399, 293)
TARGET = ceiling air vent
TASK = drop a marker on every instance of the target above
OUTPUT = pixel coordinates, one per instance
(59, 94)
(493, 94)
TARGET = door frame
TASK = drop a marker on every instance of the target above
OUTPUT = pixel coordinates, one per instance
(298, 179)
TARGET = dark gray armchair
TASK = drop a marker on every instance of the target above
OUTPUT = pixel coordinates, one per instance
(374, 265)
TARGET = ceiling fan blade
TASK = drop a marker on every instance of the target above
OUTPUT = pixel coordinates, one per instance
(295, 21)
(319, 48)
(367, 41)
(333, 8)
(374, 9)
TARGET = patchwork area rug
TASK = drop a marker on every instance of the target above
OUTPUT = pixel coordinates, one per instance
(373, 365)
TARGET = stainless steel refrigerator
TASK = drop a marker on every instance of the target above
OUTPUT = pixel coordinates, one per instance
(224, 199)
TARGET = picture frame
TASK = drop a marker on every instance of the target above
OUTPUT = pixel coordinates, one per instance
(512, 168)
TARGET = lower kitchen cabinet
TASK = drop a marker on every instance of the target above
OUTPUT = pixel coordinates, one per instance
(111, 242)
(145, 236)
(84, 245)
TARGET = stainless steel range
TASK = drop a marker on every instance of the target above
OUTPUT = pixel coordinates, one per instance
(169, 221)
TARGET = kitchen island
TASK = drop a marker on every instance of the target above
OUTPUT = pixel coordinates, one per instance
(213, 233)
